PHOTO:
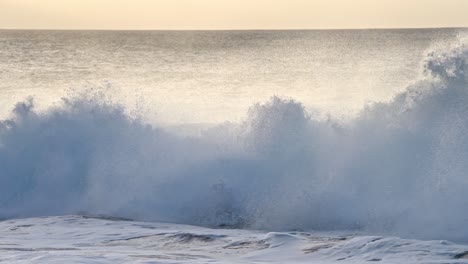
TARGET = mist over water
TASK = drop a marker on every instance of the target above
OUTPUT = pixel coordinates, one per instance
(191, 77)
(397, 168)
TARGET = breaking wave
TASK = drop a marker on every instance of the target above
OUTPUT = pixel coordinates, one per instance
(399, 167)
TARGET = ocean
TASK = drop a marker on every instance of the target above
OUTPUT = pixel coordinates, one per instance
(355, 131)
(215, 76)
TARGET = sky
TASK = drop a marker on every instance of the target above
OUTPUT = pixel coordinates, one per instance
(231, 14)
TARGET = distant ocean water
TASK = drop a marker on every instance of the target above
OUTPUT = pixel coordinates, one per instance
(277, 155)
(214, 76)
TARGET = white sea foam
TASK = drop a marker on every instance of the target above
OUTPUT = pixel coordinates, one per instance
(77, 239)
(398, 168)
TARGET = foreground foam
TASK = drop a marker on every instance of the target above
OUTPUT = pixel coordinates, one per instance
(399, 168)
(78, 239)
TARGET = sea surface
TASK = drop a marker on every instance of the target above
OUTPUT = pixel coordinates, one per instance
(215, 76)
(267, 144)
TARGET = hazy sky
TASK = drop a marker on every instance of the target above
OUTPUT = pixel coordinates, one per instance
(231, 14)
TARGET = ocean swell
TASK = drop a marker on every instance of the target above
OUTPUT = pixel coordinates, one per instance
(398, 168)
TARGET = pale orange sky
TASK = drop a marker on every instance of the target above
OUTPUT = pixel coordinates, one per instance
(231, 14)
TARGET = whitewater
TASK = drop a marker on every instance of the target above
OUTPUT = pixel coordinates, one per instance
(284, 184)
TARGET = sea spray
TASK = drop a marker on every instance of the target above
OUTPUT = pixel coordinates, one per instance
(398, 168)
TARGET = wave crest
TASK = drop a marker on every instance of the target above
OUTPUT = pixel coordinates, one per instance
(399, 167)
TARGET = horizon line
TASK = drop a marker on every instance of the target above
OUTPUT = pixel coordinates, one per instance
(227, 29)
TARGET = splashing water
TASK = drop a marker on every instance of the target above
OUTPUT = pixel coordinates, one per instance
(398, 168)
